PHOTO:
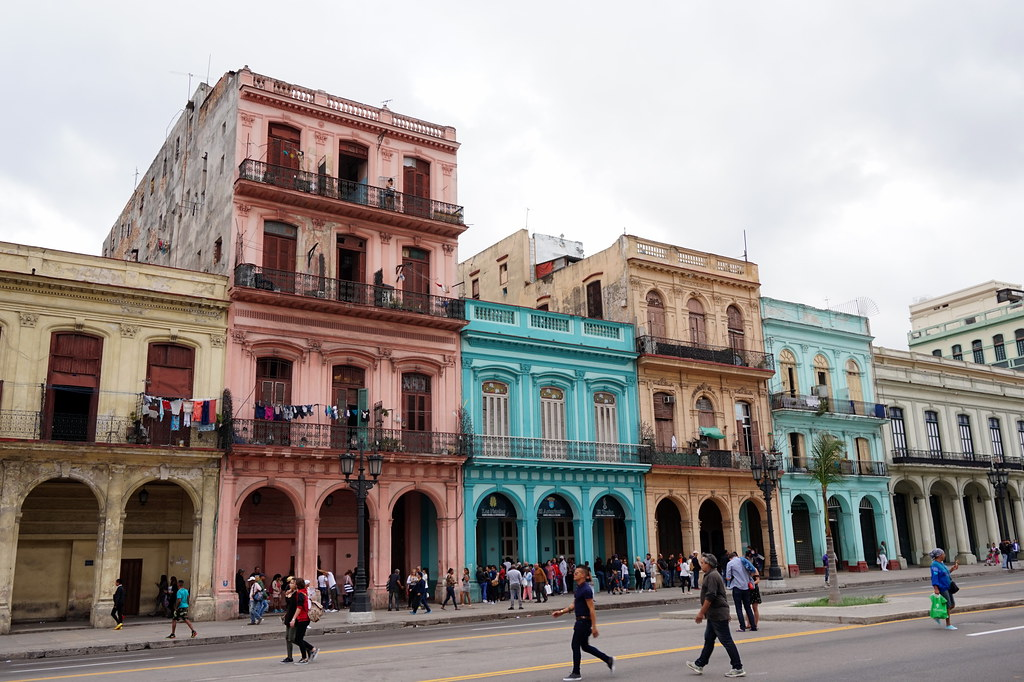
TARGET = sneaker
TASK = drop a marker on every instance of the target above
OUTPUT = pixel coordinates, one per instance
(611, 664)
(194, 634)
(510, 608)
(171, 636)
(302, 661)
(520, 608)
(119, 626)
(288, 660)
(312, 655)
(736, 672)
(951, 627)
(699, 669)
(572, 676)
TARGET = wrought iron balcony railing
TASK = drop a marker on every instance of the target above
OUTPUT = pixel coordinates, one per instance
(957, 459)
(356, 293)
(810, 403)
(848, 467)
(689, 350)
(78, 428)
(710, 459)
(351, 192)
(513, 447)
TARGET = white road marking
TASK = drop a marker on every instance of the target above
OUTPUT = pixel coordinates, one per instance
(93, 665)
(992, 632)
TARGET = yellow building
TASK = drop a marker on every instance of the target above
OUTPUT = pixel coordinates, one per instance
(92, 487)
(702, 369)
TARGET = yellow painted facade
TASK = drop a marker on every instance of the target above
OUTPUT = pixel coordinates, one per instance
(74, 460)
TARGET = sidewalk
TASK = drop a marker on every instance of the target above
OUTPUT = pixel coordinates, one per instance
(55, 640)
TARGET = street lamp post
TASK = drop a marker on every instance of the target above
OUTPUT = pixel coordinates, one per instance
(361, 486)
(765, 468)
(1000, 479)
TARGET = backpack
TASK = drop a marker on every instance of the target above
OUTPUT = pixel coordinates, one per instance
(316, 610)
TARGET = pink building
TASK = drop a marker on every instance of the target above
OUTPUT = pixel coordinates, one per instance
(338, 224)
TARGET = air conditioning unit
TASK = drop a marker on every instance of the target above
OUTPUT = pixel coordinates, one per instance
(668, 399)
(821, 390)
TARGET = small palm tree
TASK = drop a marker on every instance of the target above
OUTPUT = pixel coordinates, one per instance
(826, 469)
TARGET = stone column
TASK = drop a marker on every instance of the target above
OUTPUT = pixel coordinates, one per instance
(10, 522)
(991, 524)
(963, 553)
(203, 602)
(927, 535)
(108, 547)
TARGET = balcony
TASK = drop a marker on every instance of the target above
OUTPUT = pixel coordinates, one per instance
(847, 467)
(297, 434)
(334, 295)
(819, 406)
(707, 459)
(952, 459)
(351, 199)
(703, 352)
(78, 428)
(541, 449)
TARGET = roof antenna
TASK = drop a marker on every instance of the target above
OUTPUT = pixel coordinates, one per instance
(384, 103)
(745, 247)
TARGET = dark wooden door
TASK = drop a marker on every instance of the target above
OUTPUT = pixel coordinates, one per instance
(131, 578)
(278, 262)
(416, 187)
(169, 375)
(73, 382)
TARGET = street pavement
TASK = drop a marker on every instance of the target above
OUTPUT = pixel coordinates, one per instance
(58, 639)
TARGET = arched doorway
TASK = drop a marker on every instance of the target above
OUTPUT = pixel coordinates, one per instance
(712, 535)
(835, 516)
(610, 528)
(868, 533)
(57, 539)
(750, 528)
(414, 535)
(556, 535)
(266, 533)
(803, 543)
(497, 531)
(670, 528)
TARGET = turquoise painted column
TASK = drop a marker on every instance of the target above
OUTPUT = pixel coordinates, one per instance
(581, 541)
(521, 539)
(528, 403)
(531, 548)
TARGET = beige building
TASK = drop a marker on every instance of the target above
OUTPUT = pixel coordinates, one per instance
(951, 421)
(93, 489)
(702, 369)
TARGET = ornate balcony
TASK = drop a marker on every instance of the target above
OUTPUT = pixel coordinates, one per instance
(703, 352)
(810, 403)
(847, 467)
(79, 428)
(353, 199)
(952, 459)
(334, 295)
(541, 449)
(299, 434)
(706, 459)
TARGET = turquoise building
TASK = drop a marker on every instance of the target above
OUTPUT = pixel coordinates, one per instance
(554, 467)
(825, 383)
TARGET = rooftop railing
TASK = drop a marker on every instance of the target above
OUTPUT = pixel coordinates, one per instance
(356, 293)
(352, 192)
(690, 350)
(810, 403)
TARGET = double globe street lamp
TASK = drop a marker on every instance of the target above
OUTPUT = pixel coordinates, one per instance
(361, 486)
(765, 468)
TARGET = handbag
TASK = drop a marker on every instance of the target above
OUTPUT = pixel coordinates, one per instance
(547, 588)
(953, 587)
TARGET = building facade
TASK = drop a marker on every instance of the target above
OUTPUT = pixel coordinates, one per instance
(99, 481)
(951, 422)
(336, 223)
(555, 467)
(824, 384)
(702, 370)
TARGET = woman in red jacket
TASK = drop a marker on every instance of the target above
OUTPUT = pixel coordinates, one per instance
(300, 621)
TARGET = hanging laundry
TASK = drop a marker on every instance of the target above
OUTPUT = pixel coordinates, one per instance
(197, 410)
(176, 407)
(175, 422)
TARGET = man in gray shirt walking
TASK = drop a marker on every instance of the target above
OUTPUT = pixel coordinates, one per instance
(715, 608)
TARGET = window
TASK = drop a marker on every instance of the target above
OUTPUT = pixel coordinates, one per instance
(735, 321)
(655, 315)
(899, 430)
(352, 160)
(796, 450)
(416, 401)
(705, 412)
(283, 146)
(787, 370)
(279, 249)
(745, 427)
(978, 351)
(169, 375)
(606, 420)
(822, 375)
(274, 381)
(217, 250)
(1019, 336)
(73, 383)
(996, 433)
(958, 352)
(998, 347)
(495, 408)
(552, 413)
(698, 331)
(474, 286)
(853, 381)
(595, 307)
(963, 423)
(416, 186)
(937, 353)
(931, 426)
(1020, 436)
(503, 274)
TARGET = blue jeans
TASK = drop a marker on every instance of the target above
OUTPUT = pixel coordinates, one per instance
(483, 592)
(741, 598)
(719, 629)
(257, 609)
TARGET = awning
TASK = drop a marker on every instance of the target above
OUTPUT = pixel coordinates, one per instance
(712, 432)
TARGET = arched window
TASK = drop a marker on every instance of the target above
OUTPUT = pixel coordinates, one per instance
(978, 351)
(655, 315)
(416, 401)
(931, 428)
(797, 451)
(495, 408)
(899, 431)
(998, 347)
(822, 377)
(606, 419)
(735, 318)
(1019, 336)
(787, 372)
(854, 383)
(283, 146)
(705, 412)
(958, 352)
(552, 413)
(698, 330)
(274, 381)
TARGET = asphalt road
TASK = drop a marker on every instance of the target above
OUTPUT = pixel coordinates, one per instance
(647, 647)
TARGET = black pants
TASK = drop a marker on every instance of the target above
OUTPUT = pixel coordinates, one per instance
(719, 629)
(116, 614)
(300, 638)
(393, 599)
(449, 593)
(684, 583)
(581, 641)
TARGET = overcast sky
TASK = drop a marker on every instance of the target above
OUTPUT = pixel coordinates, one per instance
(868, 149)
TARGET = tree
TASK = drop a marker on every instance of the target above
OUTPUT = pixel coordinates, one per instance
(826, 469)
